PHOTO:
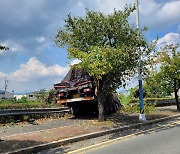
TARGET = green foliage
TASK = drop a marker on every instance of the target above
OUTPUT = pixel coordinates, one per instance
(50, 97)
(131, 105)
(124, 99)
(169, 58)
(8, 104)
(106, 45)
(23, 100)
(11, 104)
(156, 86)
(134, 108)
(168, 77)
(42, 95)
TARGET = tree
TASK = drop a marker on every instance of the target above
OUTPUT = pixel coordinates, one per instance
(41, 95)
(107, 47)
(155, 86)
(169, 58)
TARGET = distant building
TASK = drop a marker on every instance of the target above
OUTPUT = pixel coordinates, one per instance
(33, 96)
(5, 94)
(19, 96)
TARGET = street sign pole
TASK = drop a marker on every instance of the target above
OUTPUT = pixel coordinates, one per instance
(142, 116)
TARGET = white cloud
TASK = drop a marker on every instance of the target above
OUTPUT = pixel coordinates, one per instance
(170, 38)
(34, 75)
(153, 14)
(34, 69)
(75, 61)
(169, 13)
(2, 75)
(149, 7)
(40, 39)
(107, 6)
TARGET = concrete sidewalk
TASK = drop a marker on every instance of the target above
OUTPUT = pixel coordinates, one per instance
(31, 138)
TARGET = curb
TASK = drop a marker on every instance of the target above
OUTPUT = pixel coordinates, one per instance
(54, 144)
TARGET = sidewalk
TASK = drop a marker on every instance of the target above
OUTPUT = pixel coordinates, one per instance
(27, 139)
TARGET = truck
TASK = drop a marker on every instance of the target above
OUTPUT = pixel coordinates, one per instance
(77, 91)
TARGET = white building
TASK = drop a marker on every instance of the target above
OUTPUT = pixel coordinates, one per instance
(19, 96)
(33, 96)
(5, 94)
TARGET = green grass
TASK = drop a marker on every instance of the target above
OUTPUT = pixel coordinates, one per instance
(131, 105)
(134, 108)
(12, 104)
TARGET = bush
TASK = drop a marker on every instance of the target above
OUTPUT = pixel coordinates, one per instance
(134, 108)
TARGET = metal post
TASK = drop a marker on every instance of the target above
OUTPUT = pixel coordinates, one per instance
(142, 116)
(5, 87)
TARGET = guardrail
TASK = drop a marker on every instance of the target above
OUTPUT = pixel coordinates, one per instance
(156, 102)
(12, 112)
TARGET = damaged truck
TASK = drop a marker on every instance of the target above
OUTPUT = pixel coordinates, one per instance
(77, 91)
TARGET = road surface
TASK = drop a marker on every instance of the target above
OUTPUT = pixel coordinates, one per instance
(164, 140)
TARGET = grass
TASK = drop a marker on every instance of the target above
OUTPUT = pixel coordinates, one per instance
(134, 108)
(12, 104)
(131, 105)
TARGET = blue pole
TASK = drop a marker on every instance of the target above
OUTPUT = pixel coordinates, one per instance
(141, 97)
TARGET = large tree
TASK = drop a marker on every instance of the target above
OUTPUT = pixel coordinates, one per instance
(169, 59)
(107, 47)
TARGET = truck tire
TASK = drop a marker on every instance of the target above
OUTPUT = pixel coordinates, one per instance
(75, 110)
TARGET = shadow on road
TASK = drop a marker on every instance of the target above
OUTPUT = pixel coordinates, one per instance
(11, 145)
(145, 129)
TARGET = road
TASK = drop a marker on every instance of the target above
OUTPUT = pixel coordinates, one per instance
(154, 141)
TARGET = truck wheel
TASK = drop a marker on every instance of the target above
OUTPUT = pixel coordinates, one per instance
(75, 110)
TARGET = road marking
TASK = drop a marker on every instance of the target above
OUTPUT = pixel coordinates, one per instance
(120, 139)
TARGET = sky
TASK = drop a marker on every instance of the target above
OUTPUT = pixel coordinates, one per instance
(28, 28)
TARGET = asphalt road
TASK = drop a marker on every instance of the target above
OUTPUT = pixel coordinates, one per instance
(157, 141)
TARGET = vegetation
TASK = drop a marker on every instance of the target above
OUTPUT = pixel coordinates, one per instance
(156, 86)
(168, 77)
(107, 48)
(45, 99)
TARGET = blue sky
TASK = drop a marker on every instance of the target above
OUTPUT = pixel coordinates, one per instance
(29, 27)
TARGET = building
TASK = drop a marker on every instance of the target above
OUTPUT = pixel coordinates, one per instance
(5, 94)
(19, 96)
(33, 96)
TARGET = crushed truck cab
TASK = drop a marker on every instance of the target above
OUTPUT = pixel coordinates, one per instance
(77, 91)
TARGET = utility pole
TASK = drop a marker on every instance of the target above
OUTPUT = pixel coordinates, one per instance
(5, 87)
(142, 116)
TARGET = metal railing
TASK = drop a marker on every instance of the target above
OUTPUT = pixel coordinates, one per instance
(8, 112)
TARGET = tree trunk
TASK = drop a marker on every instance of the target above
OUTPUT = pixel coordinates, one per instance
(100, 101)
(176, 94)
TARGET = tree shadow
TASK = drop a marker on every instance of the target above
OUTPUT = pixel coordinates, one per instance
(88, 116)
(11, 145)
(144, 130)
(121, 119)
